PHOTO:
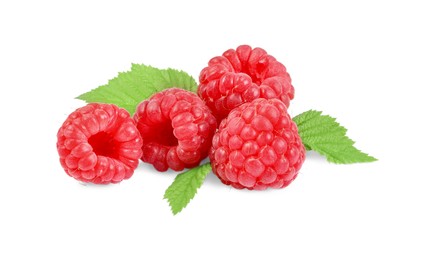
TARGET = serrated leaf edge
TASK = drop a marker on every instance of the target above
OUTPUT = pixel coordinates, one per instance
(195, 183)
(310, 119)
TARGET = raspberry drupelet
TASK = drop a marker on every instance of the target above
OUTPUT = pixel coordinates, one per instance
(177, 128)
(257, 147)
(99, 143)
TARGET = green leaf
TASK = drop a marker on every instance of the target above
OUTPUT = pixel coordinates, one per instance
(184, 187)
(321, 133)
(129, 88)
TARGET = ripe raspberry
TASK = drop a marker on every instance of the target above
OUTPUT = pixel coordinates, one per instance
(240, 76)
(257, 146)
(99, 143)
(177, 128)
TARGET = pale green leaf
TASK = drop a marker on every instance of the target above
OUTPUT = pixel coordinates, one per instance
(129, 88)
(321, 133)
(185, 186)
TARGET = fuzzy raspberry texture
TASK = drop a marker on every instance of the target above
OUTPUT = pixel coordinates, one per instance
(257, 147)
(99, 143)
(177, 128)
(240, 76)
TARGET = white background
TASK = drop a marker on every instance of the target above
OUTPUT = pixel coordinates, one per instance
(362, 62)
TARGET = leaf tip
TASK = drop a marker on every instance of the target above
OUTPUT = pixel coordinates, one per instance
(371, 159)
(80, 97)
(175, 211)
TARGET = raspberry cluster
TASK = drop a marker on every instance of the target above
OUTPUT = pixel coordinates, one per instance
(256, 146)
(99, 143)
(240, 76)
(177, 128)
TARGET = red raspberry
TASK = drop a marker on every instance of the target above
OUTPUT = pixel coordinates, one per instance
(177, 128)
(99, 143)
(257, 146)
(240, 76)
